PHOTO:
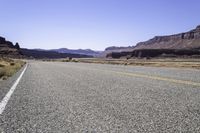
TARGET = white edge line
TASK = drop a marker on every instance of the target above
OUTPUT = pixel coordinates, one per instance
(9, 94)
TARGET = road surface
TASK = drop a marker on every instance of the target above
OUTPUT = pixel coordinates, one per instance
(76, 97)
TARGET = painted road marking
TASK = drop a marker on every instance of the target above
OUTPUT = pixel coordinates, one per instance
(159, 78)
(9, 94)
(154, 77)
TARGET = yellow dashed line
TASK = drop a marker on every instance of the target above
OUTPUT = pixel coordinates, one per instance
(177, 81)
(159, 78)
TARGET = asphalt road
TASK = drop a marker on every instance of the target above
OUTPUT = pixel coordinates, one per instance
(76, 97)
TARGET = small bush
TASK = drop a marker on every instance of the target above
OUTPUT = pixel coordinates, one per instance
(5, 77)
(12, 63)
(74, 60)
(2, 73)
(1, 65)
(65, 60)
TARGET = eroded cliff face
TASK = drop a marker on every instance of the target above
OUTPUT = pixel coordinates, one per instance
(185, 44)
(187, 40)
(7, 49)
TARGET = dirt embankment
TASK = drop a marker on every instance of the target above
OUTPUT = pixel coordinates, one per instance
(9, 66)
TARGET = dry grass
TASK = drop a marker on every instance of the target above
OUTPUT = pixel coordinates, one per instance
(167, 62)
(8, 67)
(156, 62)
(62, 60)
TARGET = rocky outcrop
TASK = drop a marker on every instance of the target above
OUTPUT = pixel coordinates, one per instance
(185, 44)
(186, 40)
(151, 53)
(2, 40)
(7, 49)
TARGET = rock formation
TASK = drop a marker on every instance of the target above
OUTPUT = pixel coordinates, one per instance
(186, 40)
(183, 44)
(7, 49)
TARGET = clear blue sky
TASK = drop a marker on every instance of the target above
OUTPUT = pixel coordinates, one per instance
(94, 24)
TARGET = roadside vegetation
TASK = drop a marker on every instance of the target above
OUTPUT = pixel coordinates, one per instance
(155, 62)
(9, 66)
(63, 60)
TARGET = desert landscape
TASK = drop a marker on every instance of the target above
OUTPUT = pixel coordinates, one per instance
(99, 66)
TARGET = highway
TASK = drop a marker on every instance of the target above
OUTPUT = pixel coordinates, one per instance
(55, 97)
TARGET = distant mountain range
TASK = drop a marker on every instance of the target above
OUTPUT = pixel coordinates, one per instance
(88, 52)
(42, 54)
(182, 44)
(7, 49)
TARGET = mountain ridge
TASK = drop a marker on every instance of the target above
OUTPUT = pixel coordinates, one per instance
(184, 40)
(181, 44)
(189, 40)
(78, 51)
(88, 52)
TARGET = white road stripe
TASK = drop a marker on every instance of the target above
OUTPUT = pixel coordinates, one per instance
(8, 95)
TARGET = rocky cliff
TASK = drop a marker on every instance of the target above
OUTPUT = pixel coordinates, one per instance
(183, 44)
(8, 49)
(186, 40)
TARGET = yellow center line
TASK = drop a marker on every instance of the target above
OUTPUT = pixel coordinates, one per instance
(158, 78)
